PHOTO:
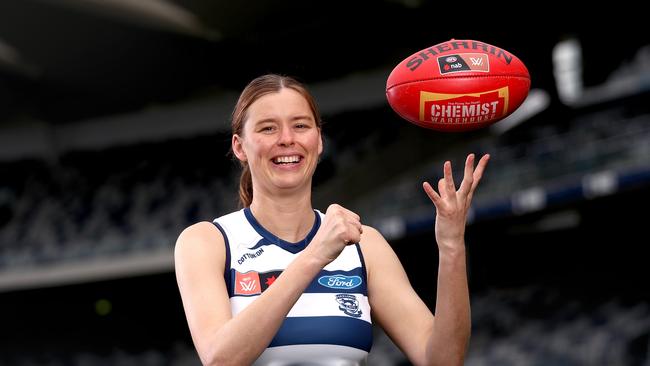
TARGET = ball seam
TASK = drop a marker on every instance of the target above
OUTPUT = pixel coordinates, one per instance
(458, 77)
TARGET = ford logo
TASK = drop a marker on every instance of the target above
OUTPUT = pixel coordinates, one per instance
(340, 282)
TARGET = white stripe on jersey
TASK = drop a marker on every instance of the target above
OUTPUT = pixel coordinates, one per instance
(276, 258)
(310, 304)
(311, 355)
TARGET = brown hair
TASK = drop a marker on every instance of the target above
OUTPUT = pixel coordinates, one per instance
(260, 86)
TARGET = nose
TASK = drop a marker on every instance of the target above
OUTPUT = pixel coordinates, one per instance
(286, 137)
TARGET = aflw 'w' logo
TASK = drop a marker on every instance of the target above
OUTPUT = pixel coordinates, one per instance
(476, 61)
(247, 283)
(248, 286)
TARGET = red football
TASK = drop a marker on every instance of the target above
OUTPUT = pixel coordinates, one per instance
(457, 85)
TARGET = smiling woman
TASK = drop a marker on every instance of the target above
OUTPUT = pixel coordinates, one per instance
(280, 143)
(279, 283)
(276, 90)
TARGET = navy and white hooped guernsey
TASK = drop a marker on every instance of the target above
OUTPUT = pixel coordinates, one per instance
(329, 324)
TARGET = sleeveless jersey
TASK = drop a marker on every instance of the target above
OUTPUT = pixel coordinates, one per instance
(329, 324)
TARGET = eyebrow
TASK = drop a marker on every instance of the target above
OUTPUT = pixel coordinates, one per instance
(294, 118)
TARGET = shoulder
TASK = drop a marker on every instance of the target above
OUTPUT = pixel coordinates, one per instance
(200, 240)
(208, 232)
(376, 250)
(373, 243)
(201, 231)
(372, 239)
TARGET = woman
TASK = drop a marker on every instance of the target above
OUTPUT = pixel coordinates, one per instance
(279, 283)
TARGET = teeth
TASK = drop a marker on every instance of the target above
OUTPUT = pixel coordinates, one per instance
(287, 159)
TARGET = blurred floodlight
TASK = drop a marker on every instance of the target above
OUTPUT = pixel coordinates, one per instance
(600, 184)
(630, 78)
(392, 228)
(537, 101)
(529, 200)
(567, 69)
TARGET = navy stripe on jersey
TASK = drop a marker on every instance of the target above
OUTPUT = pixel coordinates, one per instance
(226, 271)
(342, 331)
(272, 239)
(353, 281)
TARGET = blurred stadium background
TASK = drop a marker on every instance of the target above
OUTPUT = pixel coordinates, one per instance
(114, 133)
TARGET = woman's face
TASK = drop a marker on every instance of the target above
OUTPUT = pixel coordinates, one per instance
(280, 141)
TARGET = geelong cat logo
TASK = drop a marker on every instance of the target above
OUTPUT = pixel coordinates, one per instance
(349, 305)
(340, 282)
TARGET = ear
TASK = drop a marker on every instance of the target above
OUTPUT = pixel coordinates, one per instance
(237, 148)
(320, 143)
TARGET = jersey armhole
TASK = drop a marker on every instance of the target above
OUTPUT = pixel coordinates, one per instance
(364, 270)
(226, 267)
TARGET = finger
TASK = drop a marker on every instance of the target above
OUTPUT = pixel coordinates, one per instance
(480, 168)
(346, 214)
(468, 202)
(357, 225)
(433, 195)
(332, 208)
(469, 177)
(353, 236)
(355, 221)
(449, 178)
(351, 214)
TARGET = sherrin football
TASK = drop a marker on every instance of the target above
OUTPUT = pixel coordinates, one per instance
(458, 85)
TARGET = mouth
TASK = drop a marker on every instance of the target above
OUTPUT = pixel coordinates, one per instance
(287, 159)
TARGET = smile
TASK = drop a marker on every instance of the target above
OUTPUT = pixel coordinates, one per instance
(291, 159)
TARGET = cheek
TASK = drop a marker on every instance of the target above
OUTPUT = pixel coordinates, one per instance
(316, 144)
(256, 149)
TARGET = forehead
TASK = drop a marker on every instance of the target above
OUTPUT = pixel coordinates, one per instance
(285, 103)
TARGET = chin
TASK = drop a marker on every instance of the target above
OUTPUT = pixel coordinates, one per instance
(289, 185)
(291, 182)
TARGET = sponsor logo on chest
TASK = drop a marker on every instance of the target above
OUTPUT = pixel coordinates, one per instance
(340, 282)
(250, 255)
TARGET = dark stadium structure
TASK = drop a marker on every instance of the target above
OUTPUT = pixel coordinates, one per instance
(114, 136)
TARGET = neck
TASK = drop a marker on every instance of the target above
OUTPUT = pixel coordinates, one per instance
(289, 218)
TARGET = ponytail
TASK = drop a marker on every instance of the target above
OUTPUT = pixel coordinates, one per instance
(245, 187)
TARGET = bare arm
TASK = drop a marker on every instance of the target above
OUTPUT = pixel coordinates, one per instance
(427, 339)
(222, 339)
(453, 321)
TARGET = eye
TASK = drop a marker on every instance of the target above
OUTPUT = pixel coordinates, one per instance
(302, 125)
(268, 128)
